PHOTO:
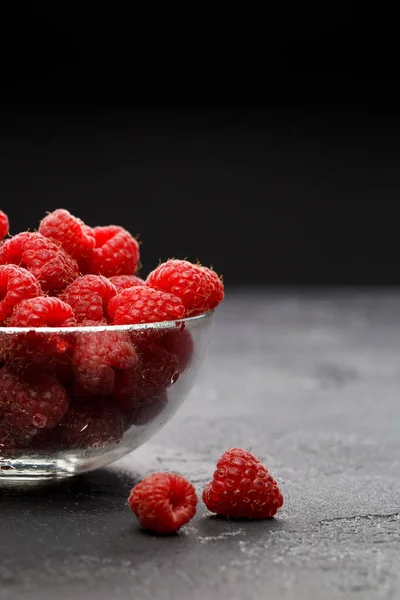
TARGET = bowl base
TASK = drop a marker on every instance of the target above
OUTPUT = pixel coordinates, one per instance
(25, 470)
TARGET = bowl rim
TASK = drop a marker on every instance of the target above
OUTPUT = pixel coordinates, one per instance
(103, 328)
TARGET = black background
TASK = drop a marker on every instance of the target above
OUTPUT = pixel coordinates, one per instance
(273, 168)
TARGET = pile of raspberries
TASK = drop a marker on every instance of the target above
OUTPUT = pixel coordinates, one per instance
(75, 389)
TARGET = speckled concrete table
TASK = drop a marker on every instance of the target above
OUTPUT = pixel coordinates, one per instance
(311, 381)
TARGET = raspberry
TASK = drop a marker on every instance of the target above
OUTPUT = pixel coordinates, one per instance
(141, 304)
(33, 352)
(217, 288)
(50, 264)
(32, 403)
(163, 502)
(177, 341)
(91, 424)
(116, 252)
(242, 487)
(16, 284)
(95, 358)
(4, 225)
(158, 368)
(88, 296)
(122, 282)
(68, 231)
(42, 312)
(199, 288)
(141, 393)
(138, 408)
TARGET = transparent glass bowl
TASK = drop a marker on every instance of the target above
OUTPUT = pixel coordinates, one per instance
(76, 399)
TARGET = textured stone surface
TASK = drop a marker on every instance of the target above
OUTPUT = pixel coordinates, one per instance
(311, 382)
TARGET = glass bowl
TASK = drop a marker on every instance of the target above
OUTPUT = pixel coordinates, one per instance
(75, 399)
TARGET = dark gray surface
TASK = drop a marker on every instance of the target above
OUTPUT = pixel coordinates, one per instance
(311, 382)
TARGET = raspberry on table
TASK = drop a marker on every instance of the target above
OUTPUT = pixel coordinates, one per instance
(69, 232)
(95, 358)
(89, 296)
(92, 423)
(122, 282)
(28, 404)
(16, 284)
(49, 263)
(4, 225)
(242, 487)
(116, 252)
(199, 288)
(42, 312)
(141, 304)
(163, 502)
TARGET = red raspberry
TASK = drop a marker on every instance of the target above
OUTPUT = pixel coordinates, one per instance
(242, 487)
(50, 264)
(141, 304)
(91, 424)
(16, 284)
(163, 502)
(31, 403)
(42, 312)
(95, 358)
(122, 282)
(217, 288)
(199, 288)
(4, 225)
(177, 341)
(138, 408)
(156, 369)
(116, 252)
(70, 232)
(88, 296)
(141, 393)
(33, 352)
